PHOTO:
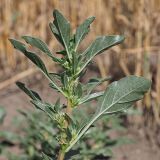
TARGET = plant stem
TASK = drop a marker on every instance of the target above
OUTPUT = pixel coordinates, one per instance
(69, 108)
(61, 155)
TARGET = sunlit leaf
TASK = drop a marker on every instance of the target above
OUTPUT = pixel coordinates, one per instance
(35, 59)
(119, 95)
(32, 94)
(36, 42)
(98, 46)
(32, 56)
(82, 31)
(90, 97)
(62, 27)
(93, 83)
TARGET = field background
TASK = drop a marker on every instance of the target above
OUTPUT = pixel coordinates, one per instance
(138, 20)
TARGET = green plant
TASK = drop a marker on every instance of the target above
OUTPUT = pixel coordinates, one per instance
(118, 96)
(37, 136)
(34, 137)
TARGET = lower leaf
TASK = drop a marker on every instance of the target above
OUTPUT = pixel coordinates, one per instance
(120, 95)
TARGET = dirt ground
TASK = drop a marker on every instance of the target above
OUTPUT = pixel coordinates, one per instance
(12, 99)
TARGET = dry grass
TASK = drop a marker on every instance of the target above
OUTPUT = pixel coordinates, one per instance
(138, 20)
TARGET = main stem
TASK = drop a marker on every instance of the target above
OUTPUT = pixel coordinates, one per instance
(69, 108)
(61, 155)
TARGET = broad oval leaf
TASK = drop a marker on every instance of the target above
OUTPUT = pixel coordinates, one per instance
(123, 93)
(82, 31)
(99, 45)
(119, 96)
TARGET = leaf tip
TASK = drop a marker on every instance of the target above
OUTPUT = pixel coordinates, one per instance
(24, 37)
(93, 18)
(120, 38)
(11, 41)
(17, 44)
(18, 83)
(56, 12)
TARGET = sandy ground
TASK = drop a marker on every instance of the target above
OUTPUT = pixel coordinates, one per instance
(12, 99)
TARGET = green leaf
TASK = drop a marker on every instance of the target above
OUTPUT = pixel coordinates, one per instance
(35, 59)
(63, 52)
(37, 101)
(57, 105)
(93, 83)
(51, 110)
(45, 107)
(62, 26)
(45, 157)
(32, 56)
(32, 94)
(99, 45)
(90, 97)
(55, 32)
(9, 136)
(120, 95)
(82, 31)
(55, 76)
(53, 86)
(64, 80)
(35, 42)
(75, 63)
(124, 93)
(79, 90)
